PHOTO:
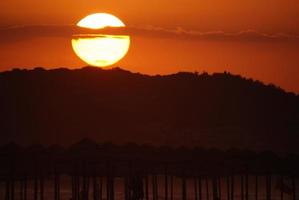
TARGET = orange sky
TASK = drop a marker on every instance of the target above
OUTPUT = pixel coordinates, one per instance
(206, 15)
(159, 49)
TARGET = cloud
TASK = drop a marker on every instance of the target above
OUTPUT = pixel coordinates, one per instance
(246, 35)
(17, 33)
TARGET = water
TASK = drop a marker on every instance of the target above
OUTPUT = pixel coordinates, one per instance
(207, 188)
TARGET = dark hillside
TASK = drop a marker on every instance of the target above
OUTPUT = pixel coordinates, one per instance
(219, 110)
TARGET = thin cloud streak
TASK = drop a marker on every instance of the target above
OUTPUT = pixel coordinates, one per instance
(19, 33)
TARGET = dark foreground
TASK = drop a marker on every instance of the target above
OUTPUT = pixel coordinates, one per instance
(87, 170)
(219, 110)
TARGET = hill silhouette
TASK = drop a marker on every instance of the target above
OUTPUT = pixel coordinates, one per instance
(221, 110)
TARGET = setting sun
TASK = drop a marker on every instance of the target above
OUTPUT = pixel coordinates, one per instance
(100, 20)
(139, 100)
(99, 49)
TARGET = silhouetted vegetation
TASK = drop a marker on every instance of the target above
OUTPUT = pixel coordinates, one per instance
(185, 109)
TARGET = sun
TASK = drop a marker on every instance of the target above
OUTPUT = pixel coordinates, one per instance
(100, 20)
(100, 49)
